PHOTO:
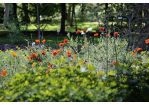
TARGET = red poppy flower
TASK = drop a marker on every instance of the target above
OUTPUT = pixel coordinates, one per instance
(114, 63)
(66, 41)
(61, 44)
(39, 60)
(108, 35)
(44, 41)
(96, 34)
(78, 32)
(147, 41)
(84, 30)
(128, 50)
(134, 55)
(101, 28)
(37, 41)
(69, 55)
(43, 52)
(116, 33)
(75, 55)
(54, 52)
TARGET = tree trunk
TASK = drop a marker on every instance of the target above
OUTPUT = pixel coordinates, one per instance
(15, 15)
(75, 21)
(6, 15)
(68, 17)
(106, 7)
(73, 9)
(25, 9)
(63, 9)
(38, 19)
(139, 24)
(146, 13)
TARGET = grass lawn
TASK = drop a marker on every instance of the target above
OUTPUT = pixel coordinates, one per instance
(54, 26)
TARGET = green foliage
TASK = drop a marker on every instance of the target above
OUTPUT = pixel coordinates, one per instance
(62, 84)
(132, 82)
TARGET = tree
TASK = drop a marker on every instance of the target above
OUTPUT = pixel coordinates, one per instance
(15, 15)
(73, 10)
(63, 9)
(25, 9)
(6, 15)
(68, 16)
(38, 19)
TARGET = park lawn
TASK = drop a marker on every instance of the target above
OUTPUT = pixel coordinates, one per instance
(54, 26)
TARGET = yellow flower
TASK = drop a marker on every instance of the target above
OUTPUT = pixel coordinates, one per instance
(0, 50)
(16, 46)
(20, 50)
(12, 49)
(22, 55)
(62, 57)
(5, 57)
(23, 65)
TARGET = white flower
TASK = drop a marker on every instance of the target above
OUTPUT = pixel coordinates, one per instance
(83, 69)
(89, 29)
(33, 44)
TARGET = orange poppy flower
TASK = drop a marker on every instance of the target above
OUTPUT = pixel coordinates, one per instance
(135, 50)
(139, 49)
(84, 30)
(30, 58)
(43, 52)
(58, 50)
(83, 44)
(96, 34)
(61, 44)
(33, 64)
(44, 41)
(84, 62)
(31, 48)
(108, 35)
(75, 55)
(14, 55)
(33, 55)
(47, 72)
(98, 72)
(147, 41)
(66, 41)
(54, 52)
(78, 32)
(50, 64)
(37, 41)
(3, 73)
(114, 63)
(134, 55)
(39, 60)
(116, 33)
(101, 28)
(68, 52)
